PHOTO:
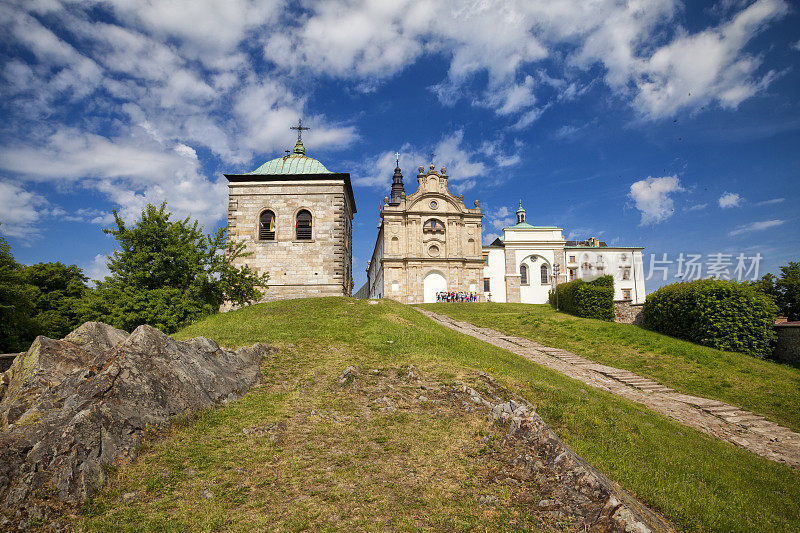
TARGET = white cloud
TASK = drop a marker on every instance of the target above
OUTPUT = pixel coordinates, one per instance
(499, 218)
(464, 164)
(696, 207)
(489, 237)
(583, 234)
(98, 268)
(772, 201)
(756, 226)
(730, 199)
(21, 211)
(651, 196)
(708, 66)
(129, 171)
(646, 57)
(796, 46)
(206, 30)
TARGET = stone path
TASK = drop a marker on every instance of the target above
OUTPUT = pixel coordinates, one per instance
(719, 419)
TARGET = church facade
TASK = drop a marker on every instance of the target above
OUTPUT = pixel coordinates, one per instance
(428, 242)
(525, 263)
(296, 220)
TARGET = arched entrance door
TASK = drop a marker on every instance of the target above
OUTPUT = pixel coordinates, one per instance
(434, 282)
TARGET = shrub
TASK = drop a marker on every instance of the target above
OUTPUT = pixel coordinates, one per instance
(722, 314)
(588, 299)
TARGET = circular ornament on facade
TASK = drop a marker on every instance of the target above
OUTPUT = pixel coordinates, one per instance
(434, 204)
(433, 251)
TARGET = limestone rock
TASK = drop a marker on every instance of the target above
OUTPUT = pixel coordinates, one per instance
(581, 489)
(72, 406)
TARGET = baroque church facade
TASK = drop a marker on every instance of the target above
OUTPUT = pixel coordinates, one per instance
(428, 242)
(296, 219)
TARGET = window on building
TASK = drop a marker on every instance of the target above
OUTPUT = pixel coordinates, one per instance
(433, 226)
(572, 259)
(626, 294)
(626, 273)
(523, 275)
(573, 272)
(486, 285)
(303, 226)
(266, 226)
(486, 259)
(545, 276)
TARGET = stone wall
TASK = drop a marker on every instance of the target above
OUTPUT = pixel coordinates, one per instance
(787, 349)
(626, 312)
(513, 294)
(297, 268)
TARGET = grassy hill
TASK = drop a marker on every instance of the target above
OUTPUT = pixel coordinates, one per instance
(303, 452)
(765, 387)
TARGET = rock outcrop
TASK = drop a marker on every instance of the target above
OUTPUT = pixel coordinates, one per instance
(71, 407)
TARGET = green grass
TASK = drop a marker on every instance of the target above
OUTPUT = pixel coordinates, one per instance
(765, 387)
(408, 470)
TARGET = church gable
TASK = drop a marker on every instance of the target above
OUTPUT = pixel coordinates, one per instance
(433, 195)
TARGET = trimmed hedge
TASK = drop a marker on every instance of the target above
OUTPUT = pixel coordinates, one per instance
(722, 314)
(588, 299)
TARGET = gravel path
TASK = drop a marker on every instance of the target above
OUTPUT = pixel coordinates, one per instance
(721, 420)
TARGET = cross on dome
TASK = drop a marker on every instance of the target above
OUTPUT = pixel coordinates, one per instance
(299, 129)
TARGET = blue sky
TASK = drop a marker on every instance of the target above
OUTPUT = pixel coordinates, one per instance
(674, 126)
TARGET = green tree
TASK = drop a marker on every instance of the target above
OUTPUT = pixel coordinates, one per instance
(788, 291)
(60, 290)
(766, 285)
(16, 303)
(169, 273)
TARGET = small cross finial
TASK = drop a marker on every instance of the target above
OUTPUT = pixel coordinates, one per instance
(397, 158)
(432, 156)
(300, 128)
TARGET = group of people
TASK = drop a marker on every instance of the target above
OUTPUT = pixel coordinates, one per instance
(452, 296)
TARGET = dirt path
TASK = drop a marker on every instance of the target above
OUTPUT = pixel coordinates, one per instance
(724, 421)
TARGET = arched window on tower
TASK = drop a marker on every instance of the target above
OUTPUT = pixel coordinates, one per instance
(266, 226)
(303, 226)
(545, 275)
(523, 274)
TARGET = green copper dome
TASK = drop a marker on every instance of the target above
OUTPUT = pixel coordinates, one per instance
(296, 163)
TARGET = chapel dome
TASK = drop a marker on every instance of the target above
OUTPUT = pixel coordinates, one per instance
(295, 163)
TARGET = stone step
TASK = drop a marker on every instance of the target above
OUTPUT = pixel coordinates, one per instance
(745, 420)
(722, 409)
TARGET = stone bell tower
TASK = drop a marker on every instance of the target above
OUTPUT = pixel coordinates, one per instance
(296, 219)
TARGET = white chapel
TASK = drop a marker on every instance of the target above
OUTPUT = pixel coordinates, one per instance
(523, 264)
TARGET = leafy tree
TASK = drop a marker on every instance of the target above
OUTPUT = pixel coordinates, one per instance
(16, 303)
(766, 285)
(169, 273)
(60, 290)
(784, 290)
(788, 290)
